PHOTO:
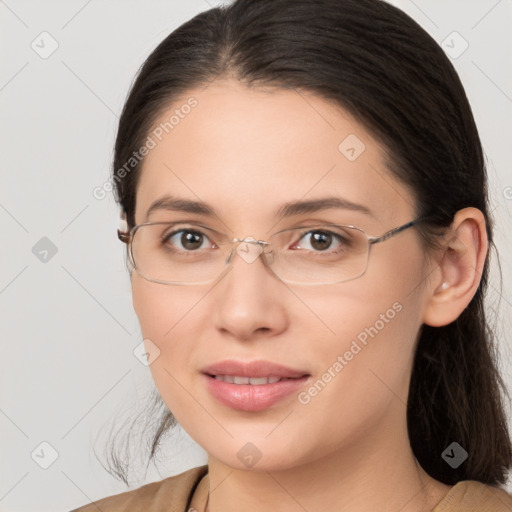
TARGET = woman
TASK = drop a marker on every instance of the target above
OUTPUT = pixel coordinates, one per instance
(305, 206)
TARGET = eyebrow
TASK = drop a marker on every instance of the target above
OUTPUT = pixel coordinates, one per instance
(301, 207)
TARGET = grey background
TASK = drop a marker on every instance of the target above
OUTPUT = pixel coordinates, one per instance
(68, 330)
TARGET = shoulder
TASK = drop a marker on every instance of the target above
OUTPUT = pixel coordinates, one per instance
(473, 496)
(171, 494)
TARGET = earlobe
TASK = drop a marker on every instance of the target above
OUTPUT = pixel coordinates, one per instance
(460, 268)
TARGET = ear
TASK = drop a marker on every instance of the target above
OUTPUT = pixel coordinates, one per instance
(460, 268)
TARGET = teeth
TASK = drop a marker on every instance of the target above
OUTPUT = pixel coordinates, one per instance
(255, 381)
(258, 380)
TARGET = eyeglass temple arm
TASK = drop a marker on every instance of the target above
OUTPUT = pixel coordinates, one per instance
(123, 236)
(123, 232)
(394, 231)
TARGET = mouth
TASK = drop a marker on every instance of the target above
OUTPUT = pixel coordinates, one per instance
(237, 372)
(253, 381)
(252, 386)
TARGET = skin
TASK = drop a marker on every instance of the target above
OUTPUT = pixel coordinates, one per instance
(246, 152)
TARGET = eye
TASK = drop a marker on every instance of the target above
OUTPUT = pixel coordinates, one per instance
(320, 241)
(187, 240)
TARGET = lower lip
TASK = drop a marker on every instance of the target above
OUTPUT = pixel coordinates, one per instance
(252, 398)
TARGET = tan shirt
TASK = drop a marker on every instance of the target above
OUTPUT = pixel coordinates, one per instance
(174, 494)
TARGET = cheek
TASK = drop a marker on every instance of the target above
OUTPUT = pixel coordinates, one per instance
(368, 332)
(380, 335)
(362, 368)
(161, 309)
(169, 317)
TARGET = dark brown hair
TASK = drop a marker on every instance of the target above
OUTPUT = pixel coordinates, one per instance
(378, 64)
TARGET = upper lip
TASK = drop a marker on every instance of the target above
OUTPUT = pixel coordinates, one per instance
(258, 368)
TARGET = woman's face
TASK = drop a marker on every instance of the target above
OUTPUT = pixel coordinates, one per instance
(246, 153)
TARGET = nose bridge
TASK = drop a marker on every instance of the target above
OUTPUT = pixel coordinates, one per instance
(249, 249)
(254, 264)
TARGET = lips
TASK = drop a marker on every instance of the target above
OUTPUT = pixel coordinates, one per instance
(252, 386)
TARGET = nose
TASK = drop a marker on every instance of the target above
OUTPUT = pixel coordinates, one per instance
(249, 300)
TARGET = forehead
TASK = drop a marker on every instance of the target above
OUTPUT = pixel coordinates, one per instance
(248, 150)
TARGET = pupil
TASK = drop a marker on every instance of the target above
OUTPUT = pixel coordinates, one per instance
(191, 240)
(321, 241)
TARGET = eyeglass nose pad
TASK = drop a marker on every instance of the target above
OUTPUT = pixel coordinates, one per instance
(231, 254)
